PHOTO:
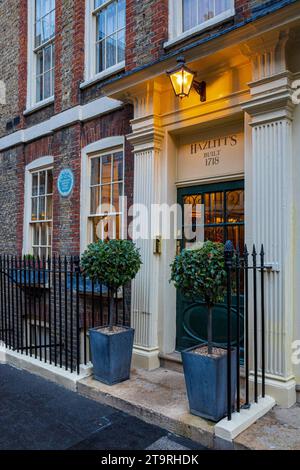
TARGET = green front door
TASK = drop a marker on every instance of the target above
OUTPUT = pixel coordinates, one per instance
(224, 220)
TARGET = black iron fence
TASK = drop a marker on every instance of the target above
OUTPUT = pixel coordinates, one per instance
(246, 281)
(48, 305)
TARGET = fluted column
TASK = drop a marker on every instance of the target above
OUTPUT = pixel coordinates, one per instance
(145, 296)
(269, 189)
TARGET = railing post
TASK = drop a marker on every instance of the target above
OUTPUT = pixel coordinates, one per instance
(77, 274)
(228, 254)
(262, 287)
(254, 255)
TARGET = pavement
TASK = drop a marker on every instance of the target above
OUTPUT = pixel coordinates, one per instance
(36, 414)
(277, 430)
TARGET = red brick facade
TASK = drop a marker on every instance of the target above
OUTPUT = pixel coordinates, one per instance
(146, 33)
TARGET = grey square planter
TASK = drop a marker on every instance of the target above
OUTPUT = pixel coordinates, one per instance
(206, 383)
(111, 355)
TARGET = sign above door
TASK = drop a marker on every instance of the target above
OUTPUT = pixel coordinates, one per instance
(210, 155)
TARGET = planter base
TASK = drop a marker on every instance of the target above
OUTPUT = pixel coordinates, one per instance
(206, 383)
(111, 355)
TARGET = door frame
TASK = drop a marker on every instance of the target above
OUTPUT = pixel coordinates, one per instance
(201, 189)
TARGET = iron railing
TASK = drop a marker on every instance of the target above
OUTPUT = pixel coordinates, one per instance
(47, 307)
(246, 281)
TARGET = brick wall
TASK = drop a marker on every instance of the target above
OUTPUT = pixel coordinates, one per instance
(146, 33)
(65, 146)
(9, 59)
(147, 28)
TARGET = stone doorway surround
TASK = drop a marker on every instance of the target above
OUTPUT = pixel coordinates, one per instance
(251, 82)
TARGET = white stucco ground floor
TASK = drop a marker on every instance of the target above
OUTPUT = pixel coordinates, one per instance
(237, 152)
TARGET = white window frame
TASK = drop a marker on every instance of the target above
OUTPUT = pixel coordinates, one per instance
(43, 163)
(90, 74)
(31, 102)
(176, 33)
(107, 145)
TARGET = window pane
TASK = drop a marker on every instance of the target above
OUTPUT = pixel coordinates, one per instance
(49, 227)
(34, 208)
(39, 63)
(42, 214)
(100, 59)
(235, 206)
(38, 34)
(35, 252)
(111, 18)
(95, 200)
(214, 208)
(47, 85)
(47, 58)
(47, 27)
(49, 182)
(35, 182)
(36, 231)
(105, 198)
(204, 11)
(221, 6)
(43, 234)
(106, 169)
(121, 46)
(118, 166)
(189, 9)
(95, 171)
(39, 88)
(117, 192)
(42, 182)
(38, 9)
(111, 50)
(98, 3)
(100, 25)
(49, 208)
(121, 14)
(214, 234)
(43, 253)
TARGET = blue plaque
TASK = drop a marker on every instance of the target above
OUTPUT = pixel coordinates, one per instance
(65, 182)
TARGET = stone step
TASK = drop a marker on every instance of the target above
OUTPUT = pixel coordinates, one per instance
(171, 361)
(158, 397)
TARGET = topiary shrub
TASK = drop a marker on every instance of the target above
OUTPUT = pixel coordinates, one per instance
(201, 274)
(112, 263)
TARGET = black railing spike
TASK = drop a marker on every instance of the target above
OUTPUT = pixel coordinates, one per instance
(254, 253)
(262, 251)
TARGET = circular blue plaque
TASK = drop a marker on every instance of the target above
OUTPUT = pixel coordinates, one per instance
(65, 182)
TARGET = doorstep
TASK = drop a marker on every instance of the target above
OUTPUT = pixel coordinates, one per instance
(159, 397)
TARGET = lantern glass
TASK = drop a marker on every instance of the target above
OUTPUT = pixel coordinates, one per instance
(182, 81)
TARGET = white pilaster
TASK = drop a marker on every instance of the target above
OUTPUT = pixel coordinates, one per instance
(146, 139)
(269, 189)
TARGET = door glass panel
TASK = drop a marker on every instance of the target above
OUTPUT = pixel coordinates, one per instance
(235, 206)
(214, 234)
(214, 208)
(192, 219)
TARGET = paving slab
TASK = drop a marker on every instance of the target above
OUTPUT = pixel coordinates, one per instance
(277, 430)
